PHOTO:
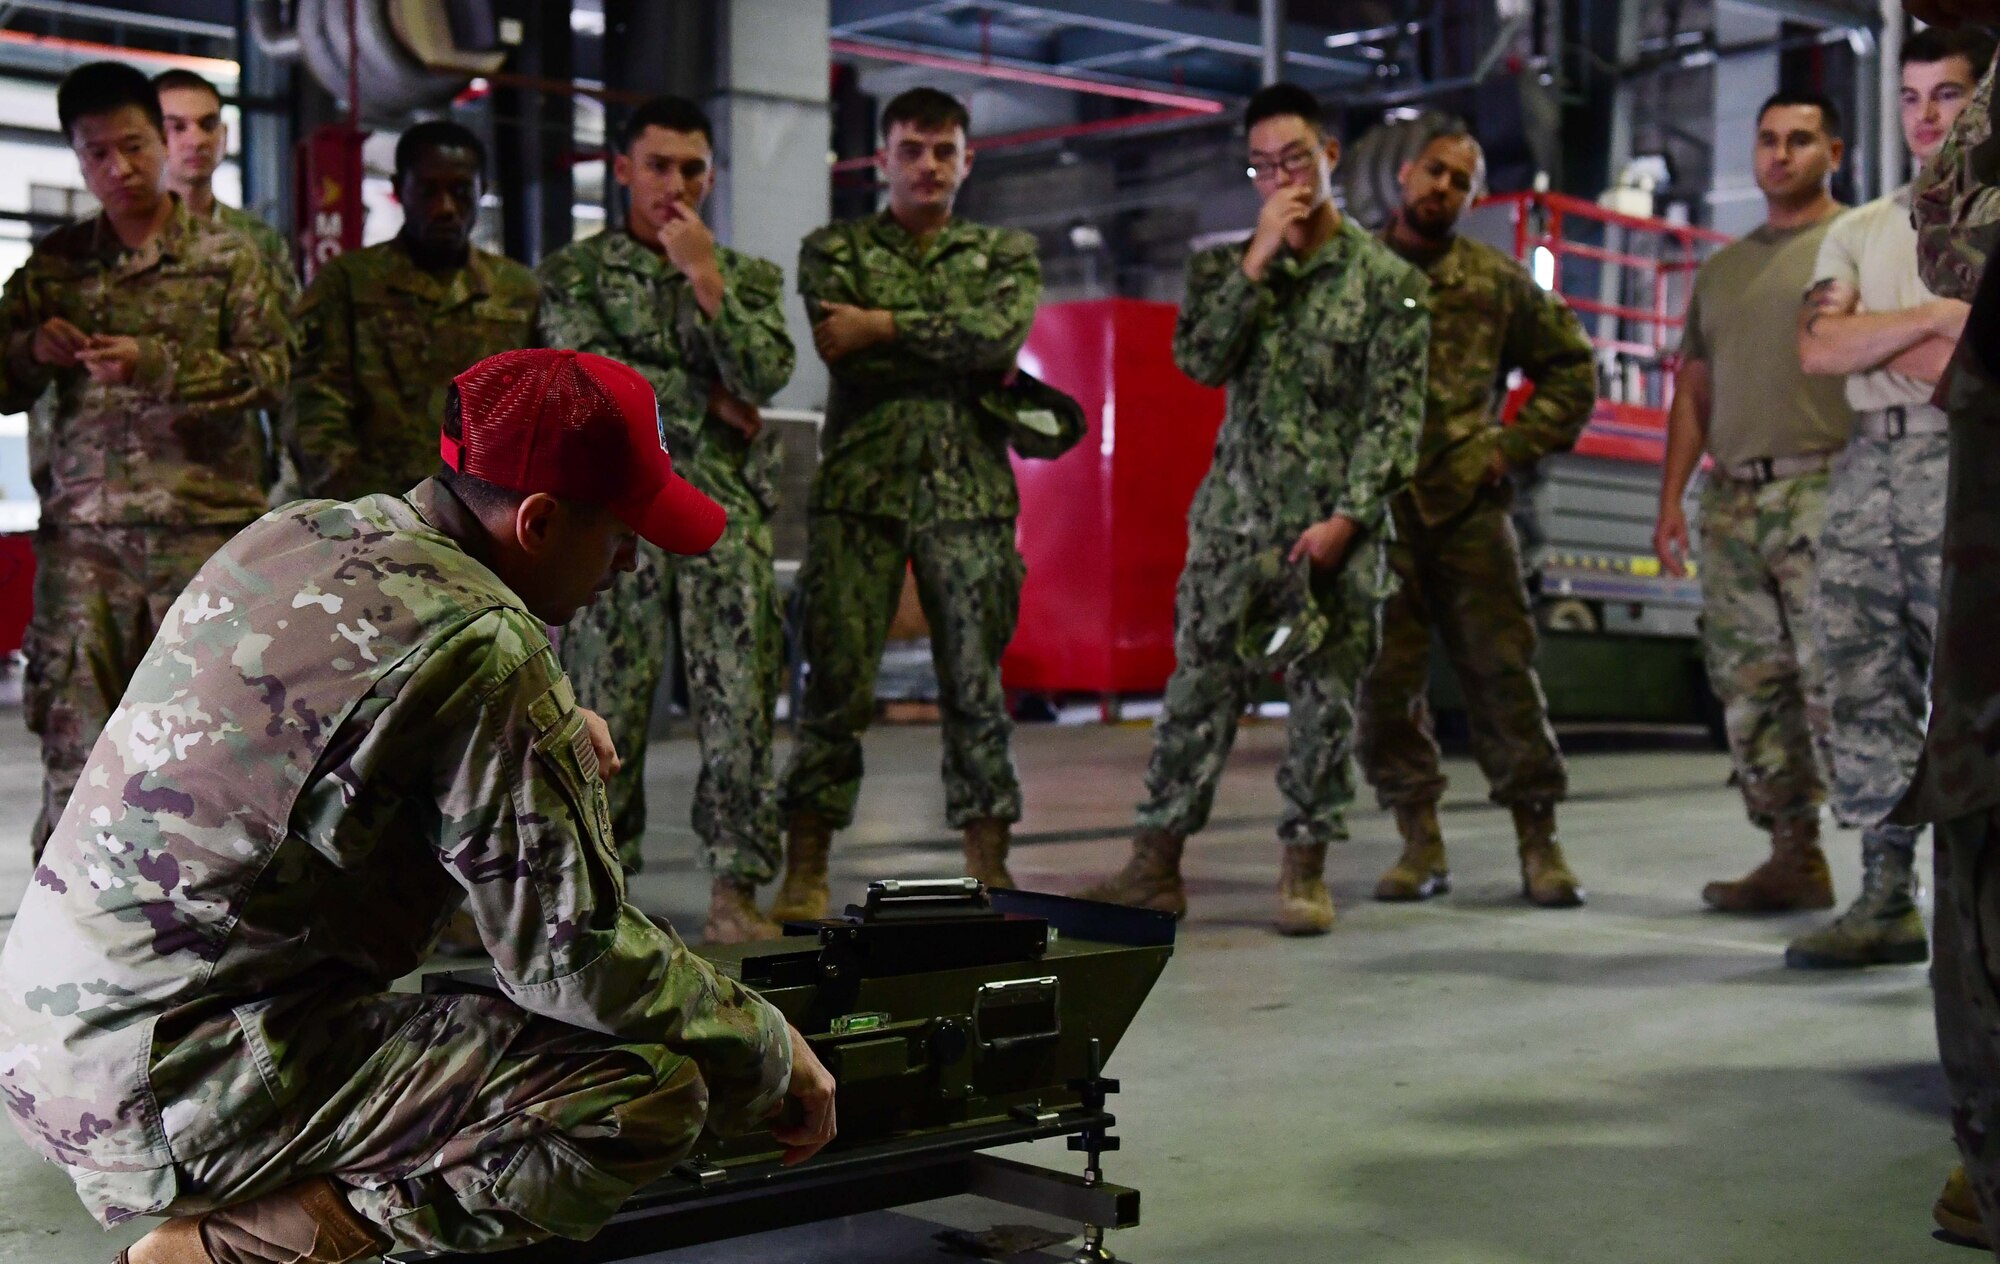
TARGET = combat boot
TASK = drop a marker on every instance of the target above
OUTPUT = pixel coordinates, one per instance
(1956, 1211)
(1305, 907)
(1545, 876)
(1882, 927)
(1151, 879)
(803, 896)
(308, 1223)
(1794, 877)
(733, 917)
(986, 841)
(1420, 872)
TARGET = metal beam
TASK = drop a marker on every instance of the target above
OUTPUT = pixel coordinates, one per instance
(1034, 73)
(1835, 14)
(1149, 22)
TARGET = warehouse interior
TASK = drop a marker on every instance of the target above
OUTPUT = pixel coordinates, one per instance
(1464, 1079)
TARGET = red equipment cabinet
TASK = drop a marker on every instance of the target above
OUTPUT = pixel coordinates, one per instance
(1104, 528)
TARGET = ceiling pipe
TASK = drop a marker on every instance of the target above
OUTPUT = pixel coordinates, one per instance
(1021, 72)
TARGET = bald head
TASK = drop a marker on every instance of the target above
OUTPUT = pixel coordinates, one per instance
(1440, 182)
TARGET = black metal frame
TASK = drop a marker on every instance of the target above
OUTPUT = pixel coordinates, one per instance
(697, 1206)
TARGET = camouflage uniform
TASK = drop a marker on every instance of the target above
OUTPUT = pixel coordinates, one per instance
(611, 295)
(1880, 554)
(1759, 538)
(379, 341)
(270, 242)
(912, 474)
(138, 483)
(1324, 361)
(1455, 551)
(346, 729)
(1956, 209)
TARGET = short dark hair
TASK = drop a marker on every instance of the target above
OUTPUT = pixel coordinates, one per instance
(437, 134)
(675, 114)
(1279, 99)
(479, 495)
(926, 108)
(1935, 43)
(179, 77)
(1829, 113)
(100, 87)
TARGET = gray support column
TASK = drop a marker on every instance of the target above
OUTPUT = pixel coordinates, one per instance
(264, 87)
(1270, 29)
(772, 119)
(534, 134)
(1894, 162)
(1741, 85)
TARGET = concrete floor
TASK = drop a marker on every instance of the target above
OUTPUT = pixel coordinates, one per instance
(1468, 1081)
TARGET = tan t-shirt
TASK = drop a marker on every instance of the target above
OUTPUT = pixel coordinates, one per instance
(1744, 322)
(1874, 249)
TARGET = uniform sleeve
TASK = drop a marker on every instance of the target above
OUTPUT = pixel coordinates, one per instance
(982, 331)
(22, 377)
(319, 420)
(1392, 421)
(1839, 257)
(746, 339)
(828, 273)
(1546, 342)
(1955, 204)
(525, 829)
(571, 316)
(1218, 317)
(1694, 343)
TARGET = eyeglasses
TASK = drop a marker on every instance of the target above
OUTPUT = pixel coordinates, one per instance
(1297, 163)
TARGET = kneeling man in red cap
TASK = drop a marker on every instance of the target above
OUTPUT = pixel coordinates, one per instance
(350, 725)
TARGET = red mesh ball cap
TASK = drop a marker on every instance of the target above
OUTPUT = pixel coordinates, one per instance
(580, 426)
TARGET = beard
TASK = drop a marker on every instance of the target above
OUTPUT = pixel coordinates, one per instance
(1429, 223)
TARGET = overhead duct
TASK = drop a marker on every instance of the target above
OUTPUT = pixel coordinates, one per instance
(402, 57)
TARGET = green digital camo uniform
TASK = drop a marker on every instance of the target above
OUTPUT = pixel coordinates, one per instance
(1455, 553)
(380, 340)
(347, 728)
(138, 483)
(1956, 209)
(611, 295)
(911, 474)
(1324, 361)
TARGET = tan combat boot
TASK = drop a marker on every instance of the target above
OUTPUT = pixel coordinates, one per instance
(803, 896)
(1151, 879)
(1956, 1211)
(1305, 907)
(1545, 876)
(1420, 872)
(1795, 876)
(308, 1223)
(1882, 927)
(733, 917)
(986, 841)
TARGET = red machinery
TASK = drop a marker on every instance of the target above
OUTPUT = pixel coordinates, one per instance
(1104, 529)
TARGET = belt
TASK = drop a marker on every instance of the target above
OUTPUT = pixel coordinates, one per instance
(1769, 469)
(1897, 421)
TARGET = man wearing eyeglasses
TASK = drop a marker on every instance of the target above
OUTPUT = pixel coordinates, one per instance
(1320, 333)
(1455, 553)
